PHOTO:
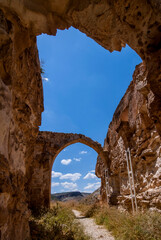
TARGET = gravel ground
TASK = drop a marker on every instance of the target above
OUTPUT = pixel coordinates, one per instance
(93, 230)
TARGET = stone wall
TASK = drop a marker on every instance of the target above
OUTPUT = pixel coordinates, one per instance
(21, 104)
(48, 145)
(133, 128)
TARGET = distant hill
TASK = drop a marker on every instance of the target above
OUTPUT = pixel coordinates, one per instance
(66, 196)
(92, 198)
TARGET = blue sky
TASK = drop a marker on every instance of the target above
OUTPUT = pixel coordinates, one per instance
(83, 84)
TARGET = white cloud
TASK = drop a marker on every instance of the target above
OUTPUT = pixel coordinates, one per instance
(69, 185)
(90, 176)
(56, 174)
(45, 79)
(72, 176)
(93, 186)
(92, 171)
(66, 161)
(77, 159)
(83, 152)
(55, 184)
(65, 150)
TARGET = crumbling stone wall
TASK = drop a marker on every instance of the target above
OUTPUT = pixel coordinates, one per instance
(133, 128)
(21, 104)
(48, 145)
(111, 23)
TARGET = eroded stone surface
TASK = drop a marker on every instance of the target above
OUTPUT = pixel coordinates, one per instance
(112, 23)
(133, 128)
(20, 114)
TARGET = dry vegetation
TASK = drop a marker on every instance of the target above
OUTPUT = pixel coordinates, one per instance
(57, 223)
(123, 225)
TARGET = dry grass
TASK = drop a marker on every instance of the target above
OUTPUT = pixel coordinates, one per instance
(58, 223)
(124, 226)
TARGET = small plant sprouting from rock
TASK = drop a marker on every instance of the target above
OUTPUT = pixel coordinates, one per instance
(42, 70)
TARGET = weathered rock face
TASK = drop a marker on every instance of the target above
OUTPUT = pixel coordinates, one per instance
(112, 23)
(48, 145)
(133, 128)
(21, 104)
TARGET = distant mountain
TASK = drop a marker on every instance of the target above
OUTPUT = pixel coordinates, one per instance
(66, 196)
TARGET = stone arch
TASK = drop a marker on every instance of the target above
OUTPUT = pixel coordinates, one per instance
(110, 23)
(47, 148)
(58, 141)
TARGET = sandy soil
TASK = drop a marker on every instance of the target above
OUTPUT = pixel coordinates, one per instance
(93, 230)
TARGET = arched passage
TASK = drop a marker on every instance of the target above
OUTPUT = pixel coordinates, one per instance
(74, 169)
(48, 146)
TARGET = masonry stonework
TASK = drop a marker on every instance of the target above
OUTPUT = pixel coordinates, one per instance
(47, 147)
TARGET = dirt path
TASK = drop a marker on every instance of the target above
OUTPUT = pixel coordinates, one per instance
(95, 231)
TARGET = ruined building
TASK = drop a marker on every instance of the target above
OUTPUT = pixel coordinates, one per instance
(136, 124)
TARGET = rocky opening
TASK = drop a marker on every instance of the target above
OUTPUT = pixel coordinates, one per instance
(136, 122)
